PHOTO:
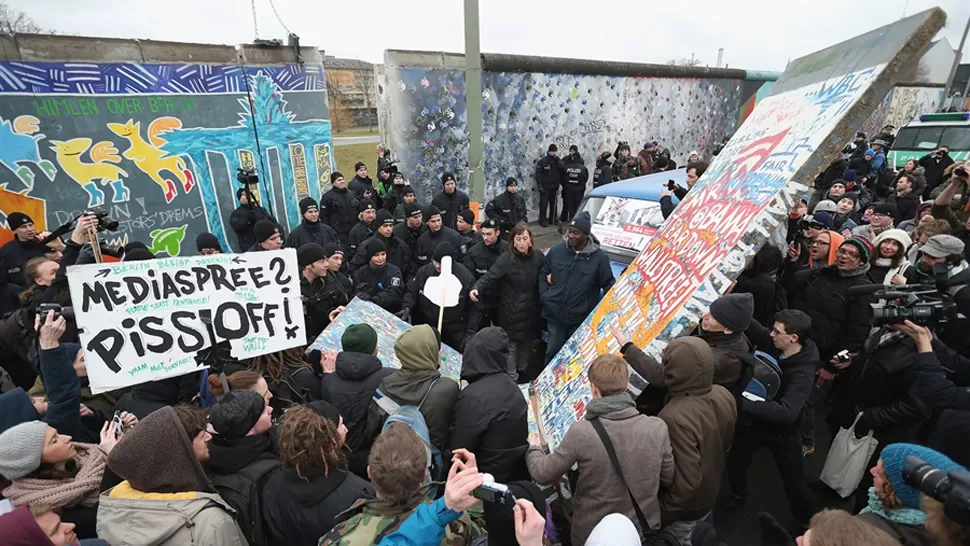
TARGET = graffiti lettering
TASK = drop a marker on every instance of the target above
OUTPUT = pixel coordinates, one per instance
(128, 223)
(127, 105)
(166, 105)
(593, 126)
(70, 106)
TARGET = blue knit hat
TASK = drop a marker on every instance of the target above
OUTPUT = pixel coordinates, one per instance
(894, 461)
(582, 222)
(849, 175)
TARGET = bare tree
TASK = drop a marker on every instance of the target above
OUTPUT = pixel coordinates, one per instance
(364, 85)
(14, 21)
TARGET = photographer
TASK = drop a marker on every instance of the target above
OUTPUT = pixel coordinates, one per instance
(946, 252)
(944, 202)
(934, 163)
(243, 220)
(942, 374)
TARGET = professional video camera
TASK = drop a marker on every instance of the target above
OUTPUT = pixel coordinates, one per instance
(104, 222)
(923, 304)
(950, 488)
(801, 235)
(247, 176)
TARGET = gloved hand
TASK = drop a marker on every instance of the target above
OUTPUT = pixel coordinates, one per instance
(364, 296)
(404, 314)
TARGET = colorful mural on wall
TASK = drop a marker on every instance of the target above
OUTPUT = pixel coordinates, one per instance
(525, 112)
(902, 105)
(158, 145)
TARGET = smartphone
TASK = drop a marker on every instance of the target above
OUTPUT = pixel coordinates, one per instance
(119, 424)
(843, 356)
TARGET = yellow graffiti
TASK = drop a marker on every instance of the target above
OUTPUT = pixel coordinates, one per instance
(150, 159)
(298, 160)
(68, 154)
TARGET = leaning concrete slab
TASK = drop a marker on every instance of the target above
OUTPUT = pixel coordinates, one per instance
(793, 133)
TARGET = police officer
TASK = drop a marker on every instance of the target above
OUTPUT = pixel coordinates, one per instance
(378, 281)
(508, 208)
(321, 299)
(436, 233)
(338, 207)
(335, 269)
(398, 252)
(574, 186)
(481, 257)
(423, 311)
(364, 228)
(466, 229)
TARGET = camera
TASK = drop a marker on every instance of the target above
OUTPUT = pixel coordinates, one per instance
(494, 492)
(671, 185)
(804, 224)
(961, 172)
(843, 356)
(923, 304)
(104, 221)
(118, 423)
(952, 489)
(59, 311)
(247, 176)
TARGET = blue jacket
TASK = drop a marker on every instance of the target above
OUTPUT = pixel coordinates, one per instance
(578, 280)
(425, 527)
(878, 160)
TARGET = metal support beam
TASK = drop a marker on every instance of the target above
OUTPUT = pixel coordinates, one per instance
(473, 98)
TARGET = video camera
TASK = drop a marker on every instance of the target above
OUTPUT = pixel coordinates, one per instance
(950, 488)
(923, 304)
(247, 176)
(804, 224)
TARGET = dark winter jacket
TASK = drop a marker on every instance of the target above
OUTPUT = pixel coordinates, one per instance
(840, 321)
(626, 167)
(943, 378)
(783, 413)
(380, 285)
(833, 172)
(550, 172)
(579, 279)
(229, 456)
(398, 254)
(243, 219)
(301, 508)
(298, 385)
(410, 238)
(145, 398)
(881, 383)
(350, 389)
(450, 205)
(602, 174)
(319, 299)
(316, 232)
(906, 535)
(906, 204)
(63, 398)
(577, 175)
(481, 257)
(338, 209)
(419, 379)
(358, 234)
(514, 284)
(730, 369)
(360, 185)
(934, 167)
(15, 254)
(508, 209)
(469, 238)
(424, 250)
(491, 417)
(394, 199)
(425, 312)
(769, 296)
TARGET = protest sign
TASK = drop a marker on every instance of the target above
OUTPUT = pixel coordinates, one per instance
(147, 320)
(742, 199)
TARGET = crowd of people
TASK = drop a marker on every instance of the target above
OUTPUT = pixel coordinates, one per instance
(308, 447)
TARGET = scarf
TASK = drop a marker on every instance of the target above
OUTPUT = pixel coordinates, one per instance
(608, 404)
(877, 230)
(902, 516)
(81, 489)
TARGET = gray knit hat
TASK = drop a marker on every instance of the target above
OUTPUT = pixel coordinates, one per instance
(21, 448)
(734, 311)
(236, 413)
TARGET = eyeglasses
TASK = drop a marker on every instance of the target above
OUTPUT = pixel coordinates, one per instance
(847, 252)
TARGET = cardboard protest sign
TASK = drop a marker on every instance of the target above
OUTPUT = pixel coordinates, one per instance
(146, 320)
(744, 197)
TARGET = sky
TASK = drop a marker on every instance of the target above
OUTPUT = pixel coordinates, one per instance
(755, 34)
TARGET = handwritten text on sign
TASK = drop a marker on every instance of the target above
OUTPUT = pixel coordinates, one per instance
(142, 321)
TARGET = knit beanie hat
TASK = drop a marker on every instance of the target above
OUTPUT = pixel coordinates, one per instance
(408, 190)
(827, 219)
(365, 204)
(412, 209)
(306, 203)
(888, 209)
(359, 338)
(384, 216)
(443, 249)
(853, 197)
(850, 175)
(137, 254)
(21, 448)
(553, 148)
(335, 175)
(865, 249)
(446, 177)
(467, 216)
(373, 247)
(263, 230)
(358, 165)
(330, 249)
(207, 241)
(582, 222)
(235, 413)
(326, 410)
(241, 192)
(897, 235)
(17, 219)
(894, 461)
(431, 212)
(510, 181)
(309, 253)
(72, 350)
(734, 311)
(18, 528)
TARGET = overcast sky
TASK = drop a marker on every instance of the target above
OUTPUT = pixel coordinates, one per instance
(755, 34)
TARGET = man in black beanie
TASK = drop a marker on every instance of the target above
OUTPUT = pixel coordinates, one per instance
(508, 208)
(423, 311)
(450, 201)
(395, 196)
(550, 174)
(398, 252)
(436, 233)
(379, 282)
(320, 298)
(207, 244)
(311, 230)
(336, 271)
(407, 197)
(267, 236)
(367, 212)
(16, 253)
(338, 208)
(243, 220)
(466, 229)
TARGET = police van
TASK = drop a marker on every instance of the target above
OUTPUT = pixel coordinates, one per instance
(929, 132)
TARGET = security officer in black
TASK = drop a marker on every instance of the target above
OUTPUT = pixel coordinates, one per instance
(423, 311)
(478, 261)
(365, 228)
(507, 208)
(320, 298)
(336, 270)
(379, 282)
(574, 186)
(436, 233)
(398, 252)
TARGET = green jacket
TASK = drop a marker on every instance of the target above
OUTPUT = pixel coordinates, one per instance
(367, 522)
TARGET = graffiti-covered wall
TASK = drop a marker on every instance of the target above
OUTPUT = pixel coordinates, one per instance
(525, 112)
(902, 105)
(157, 145)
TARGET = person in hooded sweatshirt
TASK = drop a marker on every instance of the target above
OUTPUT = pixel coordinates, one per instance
(244, 219)
(398, 252)
(776, 424)
(301, 502)
(338, 207)
(311, 230)
(241, 447)
(491, 417)
(450, 201)
(454, 325)
(418, 383)
(379, 282)
(166, 498)
(267, 237)
(351, 386)
(508, 208)
(367, 212)
(436, 233)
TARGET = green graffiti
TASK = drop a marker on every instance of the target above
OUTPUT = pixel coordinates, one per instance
(168, 240)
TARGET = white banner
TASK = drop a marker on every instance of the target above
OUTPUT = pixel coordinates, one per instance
(142, 321)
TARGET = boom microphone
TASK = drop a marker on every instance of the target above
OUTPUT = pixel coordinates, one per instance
(865, 289)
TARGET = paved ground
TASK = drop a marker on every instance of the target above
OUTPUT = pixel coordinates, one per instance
(346, 141)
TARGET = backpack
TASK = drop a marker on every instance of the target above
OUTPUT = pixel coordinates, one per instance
(383, 406)
(766, 378)
(242, 492)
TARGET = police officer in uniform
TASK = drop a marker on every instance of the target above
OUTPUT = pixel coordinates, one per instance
(398, 252)
(364, 228)
(320, 298)
(436, 233)
(378, 281)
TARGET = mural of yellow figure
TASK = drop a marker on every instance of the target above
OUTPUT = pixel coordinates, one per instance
(150, 159)
(87, 174)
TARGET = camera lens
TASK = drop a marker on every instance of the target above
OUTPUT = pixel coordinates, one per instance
(923, 476)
